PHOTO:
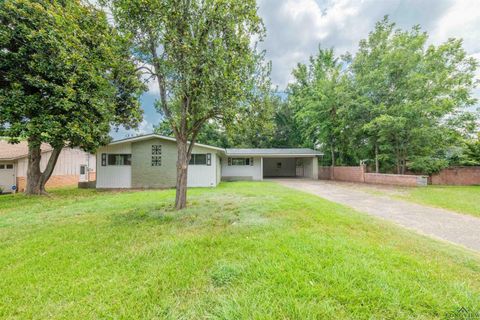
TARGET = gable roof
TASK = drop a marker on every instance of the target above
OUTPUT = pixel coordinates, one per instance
(273, 152)
(154, 135)
(19, 150)
(286, 152)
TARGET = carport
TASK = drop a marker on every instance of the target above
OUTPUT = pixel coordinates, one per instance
(273, 163)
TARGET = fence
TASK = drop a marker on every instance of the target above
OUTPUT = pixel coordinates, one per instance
(359, 174)
(460, 176)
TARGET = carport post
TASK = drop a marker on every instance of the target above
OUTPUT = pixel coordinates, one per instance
(261, 168)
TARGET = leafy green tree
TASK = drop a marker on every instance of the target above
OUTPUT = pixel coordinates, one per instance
(471, 152)
(319, 97)
(412, 94)
(65, 78)
(203, 57)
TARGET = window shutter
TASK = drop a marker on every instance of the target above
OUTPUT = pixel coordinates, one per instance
(104, 159)
(229, 161)
(251, 161)
(209, 159)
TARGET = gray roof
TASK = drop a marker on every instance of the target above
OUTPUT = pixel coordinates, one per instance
(273, 152)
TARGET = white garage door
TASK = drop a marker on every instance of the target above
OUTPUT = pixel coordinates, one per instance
(7, 177)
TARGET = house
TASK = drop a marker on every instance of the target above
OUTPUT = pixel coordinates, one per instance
(73, 165)
(149, 161)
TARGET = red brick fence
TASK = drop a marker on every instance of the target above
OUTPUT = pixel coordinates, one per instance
(449, 176)
(461, 176)
(359, 174)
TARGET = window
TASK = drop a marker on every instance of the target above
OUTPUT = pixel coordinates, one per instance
(156, 155)
(279, 165)
(119, 159)
(9, 166)
(82, 169)
(104, 159)
(6, 166)
(240, 161)
(156, 161)
(156, 149)
(201, 159)
(2, 166)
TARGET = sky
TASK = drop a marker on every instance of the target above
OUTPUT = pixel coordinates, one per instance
(296, 28)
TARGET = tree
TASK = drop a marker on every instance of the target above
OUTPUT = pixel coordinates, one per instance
(318, 94)
(412, 94)
(65, 77)
(203, 57)
(471, 152)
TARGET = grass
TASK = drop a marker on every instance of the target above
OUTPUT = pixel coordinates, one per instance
(240, 251)
(462, 199)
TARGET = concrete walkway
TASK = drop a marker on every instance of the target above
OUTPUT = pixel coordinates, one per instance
(439, 223)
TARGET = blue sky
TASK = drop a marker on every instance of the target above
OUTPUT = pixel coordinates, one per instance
(295, 29)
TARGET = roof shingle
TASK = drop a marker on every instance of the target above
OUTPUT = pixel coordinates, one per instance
(10, 151)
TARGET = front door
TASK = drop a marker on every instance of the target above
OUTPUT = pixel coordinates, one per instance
(83, 173)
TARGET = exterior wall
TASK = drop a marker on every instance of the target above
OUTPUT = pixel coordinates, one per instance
(68, 163)
(114, 176)
(203, 175)
(242, 172)
(53, 182)
(310, 168)
(457, 176)
(287, 169)
(144, 175)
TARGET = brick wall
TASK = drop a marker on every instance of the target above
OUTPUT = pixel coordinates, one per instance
(53, 182)
(359, 174)
(396, 179)
(324, 173)
(457, 176)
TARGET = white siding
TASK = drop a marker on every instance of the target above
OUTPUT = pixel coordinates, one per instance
(242, 172)
(203, 175)
(68, 163)
(114, 176)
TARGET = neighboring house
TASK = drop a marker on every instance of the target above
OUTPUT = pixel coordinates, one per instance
(73, 165)
(149, 161)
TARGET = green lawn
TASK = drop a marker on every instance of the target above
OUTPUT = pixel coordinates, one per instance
(241, 251)
(463, 199)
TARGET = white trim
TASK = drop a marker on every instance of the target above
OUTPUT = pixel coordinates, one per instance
(154, 135)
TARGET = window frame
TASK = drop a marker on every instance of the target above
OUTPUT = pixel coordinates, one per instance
(193, 159)
(247, 161)
(126, 162)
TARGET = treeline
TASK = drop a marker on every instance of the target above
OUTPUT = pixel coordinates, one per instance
(398, 104)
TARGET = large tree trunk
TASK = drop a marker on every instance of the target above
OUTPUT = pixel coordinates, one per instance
(36, 179)
(377, 165)
(183, 158)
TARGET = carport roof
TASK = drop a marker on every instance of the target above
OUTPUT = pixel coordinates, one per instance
(273, 152)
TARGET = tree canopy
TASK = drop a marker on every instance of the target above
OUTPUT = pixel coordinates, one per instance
(398, 103)
(65, 77)
(203, 57)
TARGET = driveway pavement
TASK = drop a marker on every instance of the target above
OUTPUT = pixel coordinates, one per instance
(439, 223)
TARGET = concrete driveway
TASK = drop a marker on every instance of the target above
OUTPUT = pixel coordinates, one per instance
(439, 223)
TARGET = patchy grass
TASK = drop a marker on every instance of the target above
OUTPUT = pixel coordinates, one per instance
(462, 199)
(241, 251)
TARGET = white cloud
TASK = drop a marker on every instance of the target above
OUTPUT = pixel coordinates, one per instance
(295, 28)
